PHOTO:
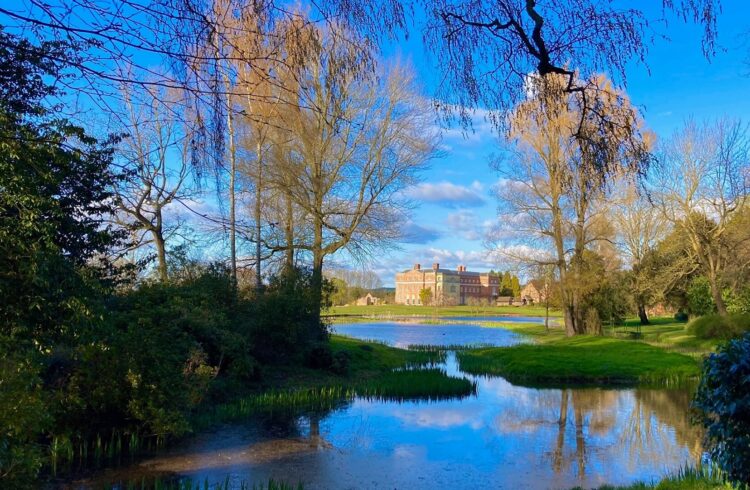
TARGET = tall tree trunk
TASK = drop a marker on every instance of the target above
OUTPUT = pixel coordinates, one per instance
(642, 315)
(570, 320)
(161, 255)
(289, 231)
(721, 308)
(232, 203)
(317, 272)
(258, 195)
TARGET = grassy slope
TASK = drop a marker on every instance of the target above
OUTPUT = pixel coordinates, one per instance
(368, 361)
(397, 310)
(666, 333)
(581, 359)
(556, 359)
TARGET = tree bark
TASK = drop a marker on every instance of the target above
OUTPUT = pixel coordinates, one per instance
(317, 272)
(232, 204)
(161, 256)
(258, 195)
(642, 315)
(289, 231)
(721, 308)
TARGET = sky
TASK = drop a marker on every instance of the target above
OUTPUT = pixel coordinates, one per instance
(455, 203)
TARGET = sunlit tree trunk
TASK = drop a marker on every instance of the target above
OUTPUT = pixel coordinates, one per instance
(258, 198)
(232, 187)
(289, 231)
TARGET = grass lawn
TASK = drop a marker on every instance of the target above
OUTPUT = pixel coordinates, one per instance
(367, 361)
(582, 359)
(410, 310)
(665, 332)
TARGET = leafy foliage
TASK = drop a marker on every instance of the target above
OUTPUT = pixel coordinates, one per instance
(285, 324)
(719, 327)
(723, 399)
(699, 297)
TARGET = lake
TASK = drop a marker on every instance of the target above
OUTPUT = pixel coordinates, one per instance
(504, 437)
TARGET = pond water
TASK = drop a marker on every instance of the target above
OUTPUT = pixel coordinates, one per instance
(403, 334)
(504, 437)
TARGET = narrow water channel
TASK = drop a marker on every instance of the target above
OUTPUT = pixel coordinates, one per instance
(504, 437)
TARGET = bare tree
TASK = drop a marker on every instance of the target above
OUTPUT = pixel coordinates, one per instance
(156, 170)
(639, 227)
(553, 192)
(700, 185)
(364, 142)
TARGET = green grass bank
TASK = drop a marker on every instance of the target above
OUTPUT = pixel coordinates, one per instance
(442, 311)
(582, 360)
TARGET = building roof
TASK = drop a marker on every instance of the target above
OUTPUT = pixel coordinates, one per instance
(537, 283)
(448, 271)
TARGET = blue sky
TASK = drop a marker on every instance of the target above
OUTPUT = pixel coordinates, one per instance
(455, 204)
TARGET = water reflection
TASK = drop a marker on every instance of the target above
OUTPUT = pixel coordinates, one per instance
(403, 334)
(504, 437)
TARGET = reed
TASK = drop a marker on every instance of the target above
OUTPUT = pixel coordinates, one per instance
(401, 385)
(442, 349)
(160, 483)
(702, 477)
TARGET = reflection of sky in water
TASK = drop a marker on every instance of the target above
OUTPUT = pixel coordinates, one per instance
(402, 334)
(505, 437)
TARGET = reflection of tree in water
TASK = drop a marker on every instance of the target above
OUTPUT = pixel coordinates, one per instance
(657, 426)
(290, 423)
(592, 413)
(654, 409)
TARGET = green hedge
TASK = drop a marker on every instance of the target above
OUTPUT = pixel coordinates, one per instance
(719, 327)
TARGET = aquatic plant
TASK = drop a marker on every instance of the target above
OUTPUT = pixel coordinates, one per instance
(406, 384)
(160, 483)
(442, 349)
(417, 384)
(703, 477)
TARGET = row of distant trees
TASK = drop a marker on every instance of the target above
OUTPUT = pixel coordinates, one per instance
(349, 285)
(510, 285)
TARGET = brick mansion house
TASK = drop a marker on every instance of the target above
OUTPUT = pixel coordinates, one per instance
(449, 287)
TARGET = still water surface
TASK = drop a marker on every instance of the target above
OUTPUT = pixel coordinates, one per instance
(504, 437)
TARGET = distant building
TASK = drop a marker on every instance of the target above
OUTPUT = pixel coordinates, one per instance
(367, 300)
(535, 292)
(449, 287)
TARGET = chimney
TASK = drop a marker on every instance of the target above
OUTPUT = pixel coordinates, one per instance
(417, 267)
(461, 268)
(435, 266)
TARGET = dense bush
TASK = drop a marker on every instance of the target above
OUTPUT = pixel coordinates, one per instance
(723, 399)
(699, 299)
(286, 323)
(681, 316)
(737, 301)
(719, 327)
(23, 416)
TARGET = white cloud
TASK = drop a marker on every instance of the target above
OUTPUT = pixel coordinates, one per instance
(412, 232)
(448, 194)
